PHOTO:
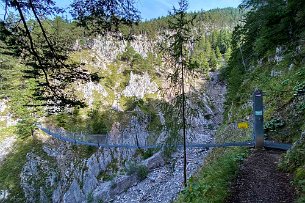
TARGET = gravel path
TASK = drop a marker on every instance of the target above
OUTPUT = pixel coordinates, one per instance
(260, 181)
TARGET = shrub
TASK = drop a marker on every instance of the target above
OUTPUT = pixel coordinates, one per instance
(140, 170)
(148, 153)
(274, 124)
(294, 158)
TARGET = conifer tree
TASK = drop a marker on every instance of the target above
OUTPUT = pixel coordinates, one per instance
(227, 55)
(180, 26)
(213, 61)
(218, 54)
(47, 52)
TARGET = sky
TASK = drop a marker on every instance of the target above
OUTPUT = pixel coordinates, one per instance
(156, 8)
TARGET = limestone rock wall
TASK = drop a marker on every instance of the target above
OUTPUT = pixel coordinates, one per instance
(61, 176)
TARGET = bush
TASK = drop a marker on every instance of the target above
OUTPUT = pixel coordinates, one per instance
(140, 170)
(294, 161)
(294, 158)
(274, 124)
(26, 127)
(148, 153)
(299, 182)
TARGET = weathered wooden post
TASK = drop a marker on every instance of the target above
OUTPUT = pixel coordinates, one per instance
(258, 111)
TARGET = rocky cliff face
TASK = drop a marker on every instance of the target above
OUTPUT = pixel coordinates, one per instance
(6, 118)
(60, 174)
(139, 85)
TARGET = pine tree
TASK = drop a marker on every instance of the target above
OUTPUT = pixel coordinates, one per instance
(218, 55)
(213, 61)
(180, 25)
(227, 55)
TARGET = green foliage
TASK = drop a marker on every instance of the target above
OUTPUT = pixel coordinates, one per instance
(130, 55)
(90, 198)
(180, 25)
(140, 170)
(6, 132)
(294, 161)
(94, 121)
(295, 157)
(212, 183)
(137, 63)
(145, 153)
(105, 176)
(171, 142)
(96, 124)
(110, 172)
(268, 25)
(299, 182)
(213, 61)
(83, 152)
(26, 127)
(209, 50)
(155, 125)
(148, 153)
(12, 166)
(218, 54)
(19, 91)
(220, 18)
(227, 55)
(44, 45)
(99, 17)
(273, 124)
(299, 88)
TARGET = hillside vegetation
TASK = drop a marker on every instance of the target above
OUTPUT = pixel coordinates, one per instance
(268, 53)
(117, 105)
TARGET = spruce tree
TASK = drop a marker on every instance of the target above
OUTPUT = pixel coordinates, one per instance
(180, 26)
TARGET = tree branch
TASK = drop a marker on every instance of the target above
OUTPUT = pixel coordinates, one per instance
(28, 33)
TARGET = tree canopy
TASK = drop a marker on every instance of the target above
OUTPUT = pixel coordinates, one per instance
(30, 33)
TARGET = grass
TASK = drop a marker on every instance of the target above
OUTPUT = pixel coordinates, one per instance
(6, 132)
(12, 166)
(294, 162)
(211, 184)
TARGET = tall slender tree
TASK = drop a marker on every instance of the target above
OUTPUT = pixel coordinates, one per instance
(179, 49)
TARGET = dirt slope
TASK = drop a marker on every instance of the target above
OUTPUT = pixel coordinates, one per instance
(259, 180)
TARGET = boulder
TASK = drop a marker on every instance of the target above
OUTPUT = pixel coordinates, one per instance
(122, 184)
(155, 161)
(102, 192)
(89, 183)
(74, 194)
(56, 195)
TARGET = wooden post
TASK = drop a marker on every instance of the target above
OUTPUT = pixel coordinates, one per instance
(258, 113)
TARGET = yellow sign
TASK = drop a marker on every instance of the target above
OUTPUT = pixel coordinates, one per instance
(243, 125)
